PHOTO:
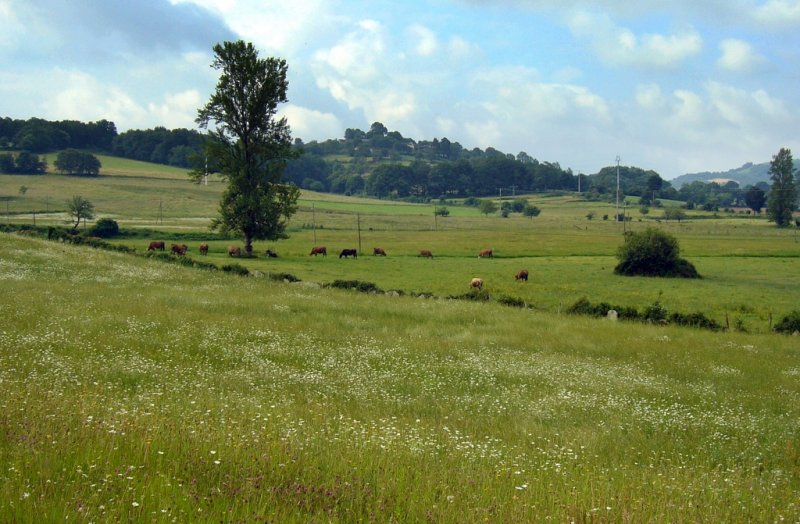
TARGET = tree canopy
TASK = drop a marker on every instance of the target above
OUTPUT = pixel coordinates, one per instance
(249, 144)
(74, 162)
(652, 253)
(782, 199)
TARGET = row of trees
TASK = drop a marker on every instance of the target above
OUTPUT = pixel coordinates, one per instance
(174, 147)
(68, 162)
(41, 136)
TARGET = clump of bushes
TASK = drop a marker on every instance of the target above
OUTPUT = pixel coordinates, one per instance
(655, 313)
(652, 253)
(236, 269)
(358, 285)
(283, 277)
(790, 323)
(105, 228)
(475, 295)
(511, 301)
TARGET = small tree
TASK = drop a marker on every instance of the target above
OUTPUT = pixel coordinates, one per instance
(590, 215)
(652, 253)
(531, 211)
(488, 207)
(782, 199)
(442, 211)
(673, 213)
(80, 209)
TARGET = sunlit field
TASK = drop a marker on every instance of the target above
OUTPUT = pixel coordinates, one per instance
(139, 390)
(135, 389)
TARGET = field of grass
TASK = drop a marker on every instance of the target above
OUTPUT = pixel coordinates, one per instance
(142, 391)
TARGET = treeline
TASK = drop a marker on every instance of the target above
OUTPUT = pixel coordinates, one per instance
(176, 147)
(42, 136)
(376, 162)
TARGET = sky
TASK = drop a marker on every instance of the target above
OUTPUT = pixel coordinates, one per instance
(676, 86)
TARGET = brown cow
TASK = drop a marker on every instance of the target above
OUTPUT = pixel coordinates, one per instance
(179, 249)
(156, 245)
(203, 249)
(426, 254)
(378, 251)
(486, 253)
(522, 274)
(234, 251)
(319, 250)
(476, 283)
(349, 253)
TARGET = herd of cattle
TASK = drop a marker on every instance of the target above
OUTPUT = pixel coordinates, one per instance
(236, 251)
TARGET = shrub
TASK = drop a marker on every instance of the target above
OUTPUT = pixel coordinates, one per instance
(790, 323)
(280, 277)
(655, 313)
(511, 301)
(698, 319)
(653, 253)
(358, 285)
(105, 228)
(236, 269)
(474, 295)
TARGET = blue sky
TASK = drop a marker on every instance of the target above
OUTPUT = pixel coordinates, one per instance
(675, 86)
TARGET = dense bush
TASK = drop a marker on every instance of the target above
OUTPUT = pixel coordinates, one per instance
(358, 285)
(475, 295)
(283, 277)
(236, 269)
(698, 319)
(511, 301)
(790, 323)
(652, 253)
(105, 228)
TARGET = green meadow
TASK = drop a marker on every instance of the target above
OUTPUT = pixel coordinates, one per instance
(139, 390)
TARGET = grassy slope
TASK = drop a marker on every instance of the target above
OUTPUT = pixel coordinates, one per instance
(137, 390)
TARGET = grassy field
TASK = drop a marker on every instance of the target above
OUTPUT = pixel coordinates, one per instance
(142, 391)
(132, 389)
(748, 265)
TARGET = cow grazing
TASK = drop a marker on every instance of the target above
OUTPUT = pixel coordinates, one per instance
(156, 245)
(378, 251)
(522, 274)
(179, 249)
(349, 253)
(234, 251)
(486, 253)
(271, 254)
(203, 249)
(476, 283)
(319, 250)
(425, 254)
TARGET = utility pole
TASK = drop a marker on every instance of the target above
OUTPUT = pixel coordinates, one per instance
(617, 215)
(513, 191)
(500, 189)
(205, 172)
(314, 223)
(358, 217)
(579, 183)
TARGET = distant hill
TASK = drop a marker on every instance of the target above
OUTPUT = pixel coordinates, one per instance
(748, 175)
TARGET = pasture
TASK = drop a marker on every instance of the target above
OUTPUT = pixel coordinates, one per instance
(138, 390)
(133, 389)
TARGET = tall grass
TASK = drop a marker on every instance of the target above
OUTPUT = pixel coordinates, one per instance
(137, 390)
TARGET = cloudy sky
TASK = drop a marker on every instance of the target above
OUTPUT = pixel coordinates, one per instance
(677, 86)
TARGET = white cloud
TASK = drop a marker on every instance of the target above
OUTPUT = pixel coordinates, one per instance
(779, 13)
(620, 46)
(738, 56)
(310, 124)
(426, 43)
(649, 96)
(280, 27)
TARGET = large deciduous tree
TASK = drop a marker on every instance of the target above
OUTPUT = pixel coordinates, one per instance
(249, 143)
(782, 199)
